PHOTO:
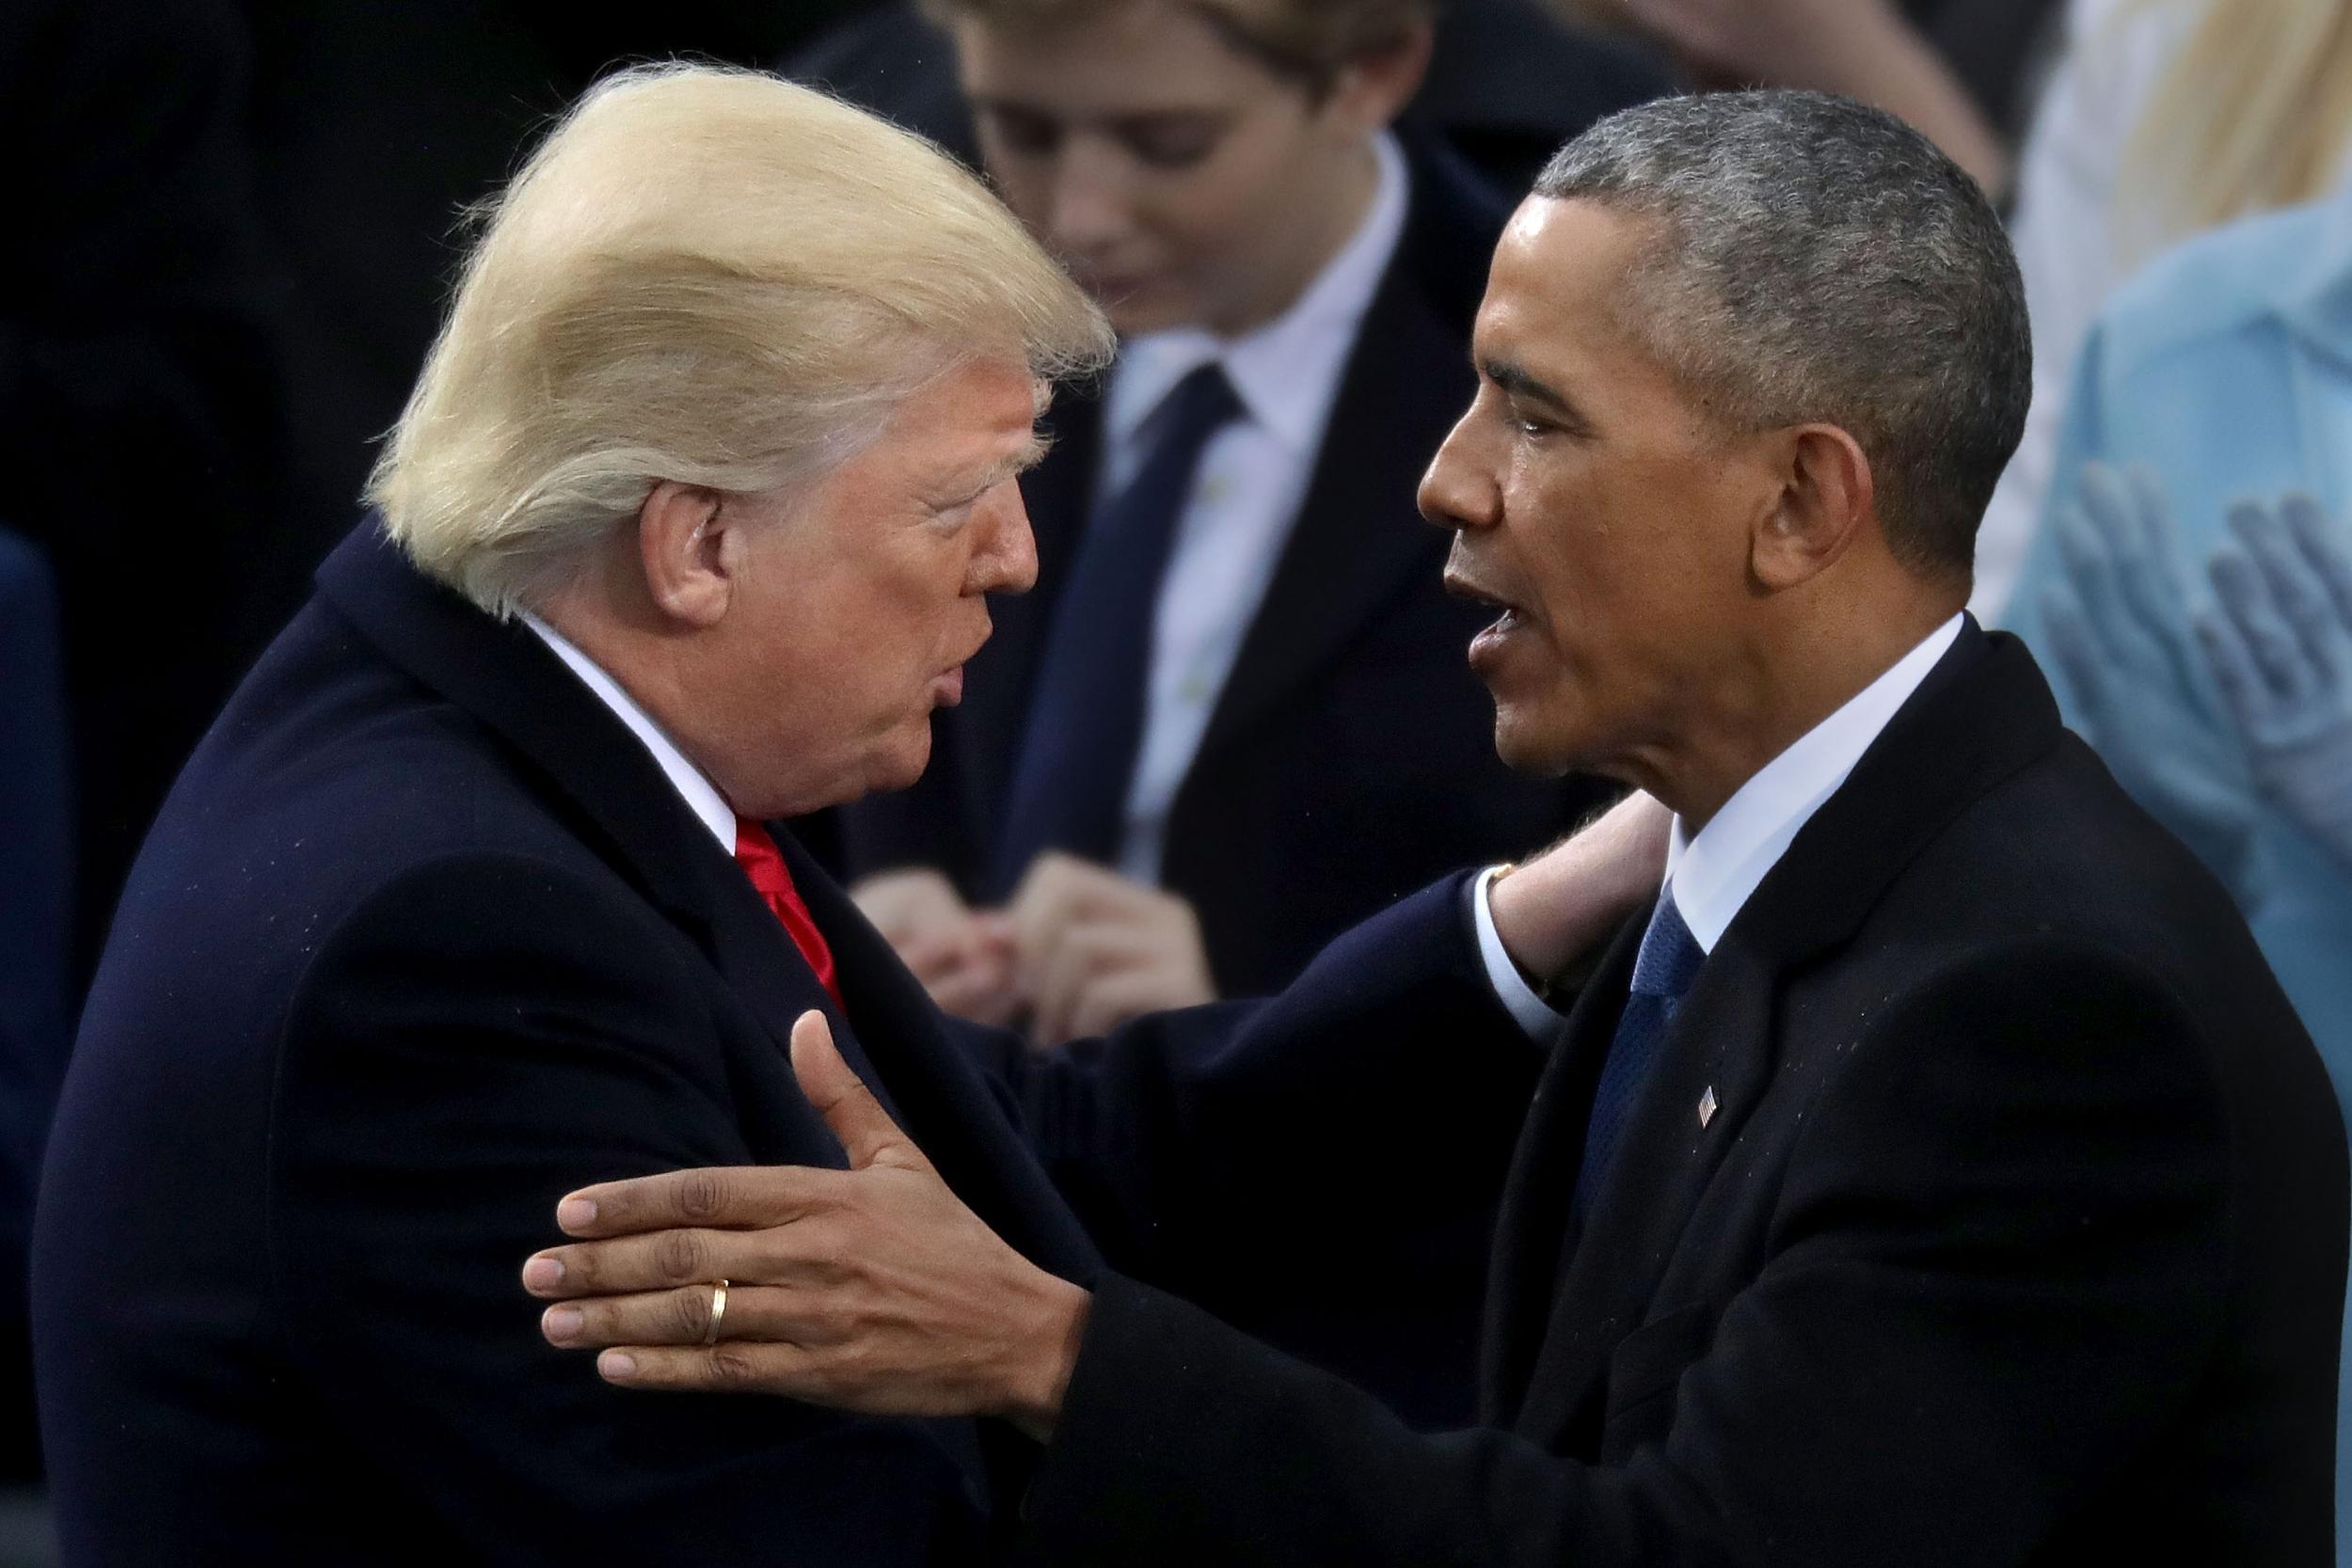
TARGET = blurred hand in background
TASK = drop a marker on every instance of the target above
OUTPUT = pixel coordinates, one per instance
(2279, 642)
(2119, 628)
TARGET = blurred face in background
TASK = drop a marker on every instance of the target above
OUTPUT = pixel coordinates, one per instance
(1183, 179)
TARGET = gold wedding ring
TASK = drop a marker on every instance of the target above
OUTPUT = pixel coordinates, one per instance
(718, 1312)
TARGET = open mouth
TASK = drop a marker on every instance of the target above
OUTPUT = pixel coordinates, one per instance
(1463, 588)
(1497, 634)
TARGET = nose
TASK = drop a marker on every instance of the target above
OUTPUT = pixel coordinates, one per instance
(1089, 207)
(1462, 489)
(1006, 559)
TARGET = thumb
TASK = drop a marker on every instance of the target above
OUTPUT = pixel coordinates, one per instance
(848, 1107)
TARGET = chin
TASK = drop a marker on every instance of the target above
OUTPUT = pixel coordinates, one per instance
(1528, 745)
(901, 761)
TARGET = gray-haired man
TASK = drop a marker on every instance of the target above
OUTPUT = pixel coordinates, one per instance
(1933, 1175)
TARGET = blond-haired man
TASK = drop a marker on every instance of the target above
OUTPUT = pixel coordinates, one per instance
(687, 526)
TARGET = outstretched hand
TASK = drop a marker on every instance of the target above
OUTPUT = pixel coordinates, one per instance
(872, 1288)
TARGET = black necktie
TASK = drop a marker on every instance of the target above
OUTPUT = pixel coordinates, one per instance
(1663, 971)
(1086, 714)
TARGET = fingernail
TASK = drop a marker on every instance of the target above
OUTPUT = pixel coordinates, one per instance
(617, 1364)
(573, 1212)
(561, 1323)
(542, 1273)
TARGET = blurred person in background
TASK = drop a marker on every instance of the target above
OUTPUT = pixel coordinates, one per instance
(1508, 80)
(2216, 381)
(1238, 607)
(2163, 119)
(1956, 70)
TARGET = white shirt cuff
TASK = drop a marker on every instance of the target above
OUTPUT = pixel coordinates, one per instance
(1533, 1016)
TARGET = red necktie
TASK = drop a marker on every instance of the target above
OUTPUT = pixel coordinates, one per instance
(757, 854)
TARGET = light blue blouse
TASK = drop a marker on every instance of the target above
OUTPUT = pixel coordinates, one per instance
(2226, 367)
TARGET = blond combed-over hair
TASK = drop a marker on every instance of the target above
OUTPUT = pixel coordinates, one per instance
(705, 276)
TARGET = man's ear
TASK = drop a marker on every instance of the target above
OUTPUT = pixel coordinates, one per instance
(683, 544)
(1826, 502)
(1372, 88)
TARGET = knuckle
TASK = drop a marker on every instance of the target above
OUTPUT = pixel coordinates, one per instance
(729, 1367)
(679, 1254)
(701, 1194)
(689, 1312)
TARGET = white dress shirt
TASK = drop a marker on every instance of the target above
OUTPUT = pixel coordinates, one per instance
(1246, 490)
(701, 795)
(1710, 874)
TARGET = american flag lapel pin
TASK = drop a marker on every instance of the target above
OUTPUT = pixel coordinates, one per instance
(1706, 1106)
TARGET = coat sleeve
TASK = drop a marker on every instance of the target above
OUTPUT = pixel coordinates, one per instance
(1998, 1256)
(483, 1035)
(1386, 1079)
(1323, 1167)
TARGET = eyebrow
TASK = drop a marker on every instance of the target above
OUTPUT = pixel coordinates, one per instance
(1130, 123)
(1515, 380)
(1032, 452)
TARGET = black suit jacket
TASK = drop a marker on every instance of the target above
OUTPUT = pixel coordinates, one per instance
(1350, 757)
(2017, 1236)
(424, 939)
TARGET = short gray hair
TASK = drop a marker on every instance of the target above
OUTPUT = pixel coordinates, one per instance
(1819, 259)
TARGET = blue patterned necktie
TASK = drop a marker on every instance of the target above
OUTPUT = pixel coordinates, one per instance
(1085, 725)
(1669, 959)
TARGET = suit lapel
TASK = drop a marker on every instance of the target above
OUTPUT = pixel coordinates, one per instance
(1720, 1040)
(1359, 543)
(1532, 1226)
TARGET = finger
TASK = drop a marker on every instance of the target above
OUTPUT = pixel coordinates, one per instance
(1060, 887)
(2243, 693)
(663, 1259)
(2327, 550)
(729, 1367)
(2293, 589)
(2245, 598)
(868, 1135)
(2133, 520)
(1084, 953)
(981, 991)
(717, 1196)
(678, 1317)
(2076, 651)
(2099, 618)
(938, 958)
(1117, 998)
(1039, 910)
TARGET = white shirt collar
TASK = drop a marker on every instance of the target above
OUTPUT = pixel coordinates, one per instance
(1710, 876)
(701, 795)
(1286, 370)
